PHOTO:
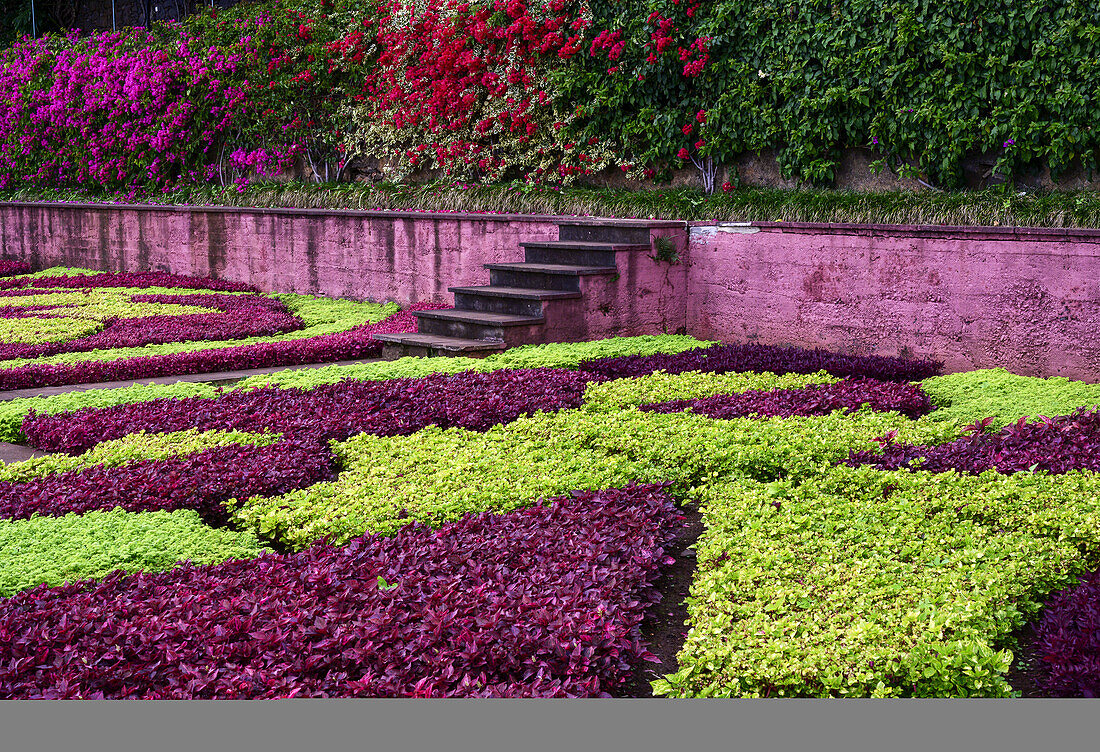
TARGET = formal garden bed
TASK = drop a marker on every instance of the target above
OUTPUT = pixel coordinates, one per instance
(71, 326)
(525, 525)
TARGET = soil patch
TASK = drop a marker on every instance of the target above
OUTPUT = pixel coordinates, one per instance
(664, 627)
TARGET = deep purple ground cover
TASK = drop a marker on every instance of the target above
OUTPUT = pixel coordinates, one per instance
(1067, 640)
(756, 357)
(545, 601)
(475, 401)
(1054, 445)
(352, 344)
(10, 268)
(124, 279)
(816, 399)
(201, 482)
(240, 316)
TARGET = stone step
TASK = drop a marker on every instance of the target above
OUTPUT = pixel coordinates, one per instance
(543, 276)
(522, 301)
(396, 346)
(505, 327)
(577, 253)
(609, 232)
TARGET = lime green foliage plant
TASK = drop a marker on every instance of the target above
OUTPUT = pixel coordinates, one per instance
(553, 355)
(1005, 397)
(13, 411)
(859, 582)
(132, 448)
(55, 550)
(435, 475)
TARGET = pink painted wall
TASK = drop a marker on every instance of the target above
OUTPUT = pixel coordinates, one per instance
(1025, 300)
(401, 256)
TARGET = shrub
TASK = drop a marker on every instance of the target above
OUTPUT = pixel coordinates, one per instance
(435, 476)
(1005, 397)
(296, 348)
(315, 311)
(815, 399)
(1067, 640)
(127, 321)
(860, 582)
(617, 394)
(552, 355)
(335, 411)
(12, 268)
(1054, 445)
(136, 446)
(55, 550)
(13, 411)
(201, 482)
(545, 602)
(754, 357)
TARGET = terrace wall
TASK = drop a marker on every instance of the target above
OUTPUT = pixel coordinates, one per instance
(397, 256)
(1024, 299)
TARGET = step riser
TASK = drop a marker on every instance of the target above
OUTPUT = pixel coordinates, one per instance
(537, 280)
(566, 255)
(393, 351)
(598, 234)
(511, 335)
(465, 301)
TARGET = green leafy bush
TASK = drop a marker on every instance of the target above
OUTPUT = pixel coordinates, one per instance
(662, 387)
(13, 411)
(435, 476)
(55, 550)
(553, 355)
(1005, 397)
(861, 582)
(132, 448)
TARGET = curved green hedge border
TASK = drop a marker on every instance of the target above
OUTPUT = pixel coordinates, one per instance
(859, 582)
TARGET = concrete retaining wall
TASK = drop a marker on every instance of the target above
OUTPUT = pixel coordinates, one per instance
(1024, 299)
(397, 256)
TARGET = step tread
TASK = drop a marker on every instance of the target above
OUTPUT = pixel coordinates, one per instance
(585, 245)
(502, 291)
(441, 342)
(567, 269)
(480, 317)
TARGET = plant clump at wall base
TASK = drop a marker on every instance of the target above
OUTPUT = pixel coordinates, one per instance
(543, 602)
(66, 326)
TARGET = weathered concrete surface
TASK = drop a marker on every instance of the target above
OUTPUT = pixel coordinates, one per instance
(407, 257)
(1025, 300)
(397, 256)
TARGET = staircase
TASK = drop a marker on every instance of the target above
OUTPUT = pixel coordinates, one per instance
(540, 299)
